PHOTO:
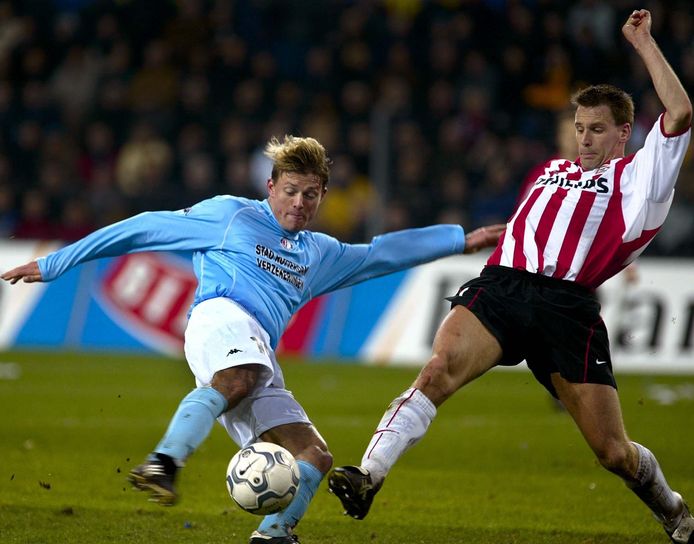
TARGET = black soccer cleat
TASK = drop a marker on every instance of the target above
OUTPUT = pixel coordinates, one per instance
(260, 538)
(152, 477)
(684, 532)
(353, 486)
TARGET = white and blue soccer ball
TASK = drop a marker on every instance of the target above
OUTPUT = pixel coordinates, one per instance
(263, 478)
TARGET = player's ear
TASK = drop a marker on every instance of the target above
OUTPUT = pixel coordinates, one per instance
(625, 133)
(270, 186)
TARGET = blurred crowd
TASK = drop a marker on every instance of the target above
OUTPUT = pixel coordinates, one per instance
(432, 111)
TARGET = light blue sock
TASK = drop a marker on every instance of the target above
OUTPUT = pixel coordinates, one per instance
(192, 422)
(281, 523)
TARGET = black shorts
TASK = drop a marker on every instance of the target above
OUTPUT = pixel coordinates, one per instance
(554, 325)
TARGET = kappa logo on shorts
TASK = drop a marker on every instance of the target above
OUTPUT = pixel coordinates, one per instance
(233, 351)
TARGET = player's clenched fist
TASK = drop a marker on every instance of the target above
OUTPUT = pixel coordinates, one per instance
(638, 26)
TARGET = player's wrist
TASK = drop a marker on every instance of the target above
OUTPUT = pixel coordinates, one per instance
(645, 44)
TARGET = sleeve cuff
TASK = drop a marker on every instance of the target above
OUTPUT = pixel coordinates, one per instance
(460, 241)
(41, 262)
(673, 134)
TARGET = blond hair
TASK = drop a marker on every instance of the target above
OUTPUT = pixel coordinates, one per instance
(298, 155)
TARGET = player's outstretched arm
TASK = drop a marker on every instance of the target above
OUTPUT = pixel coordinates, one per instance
(28, 273)
(483, 237)
(678, 114)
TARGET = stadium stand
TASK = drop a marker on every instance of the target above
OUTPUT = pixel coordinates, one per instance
(113, 107)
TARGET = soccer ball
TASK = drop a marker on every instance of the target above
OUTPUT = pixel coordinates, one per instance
(262, 478)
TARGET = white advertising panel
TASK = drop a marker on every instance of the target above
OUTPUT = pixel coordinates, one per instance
(651, 322)
(16, 301)
(139, 302)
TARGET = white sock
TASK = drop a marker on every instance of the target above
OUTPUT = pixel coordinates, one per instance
(651, 487)
(404, 423)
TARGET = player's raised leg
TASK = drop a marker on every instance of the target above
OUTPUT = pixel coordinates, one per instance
(227, 353)
(311, 452)
(190, 425)
(596, 410)
(463, 350)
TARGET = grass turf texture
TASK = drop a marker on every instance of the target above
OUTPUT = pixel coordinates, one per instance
(499, 464)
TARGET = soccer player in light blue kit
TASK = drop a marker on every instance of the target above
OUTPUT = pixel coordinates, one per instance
(256, 266)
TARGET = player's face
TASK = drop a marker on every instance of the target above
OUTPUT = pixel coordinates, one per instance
(599, 138)
(294, 199)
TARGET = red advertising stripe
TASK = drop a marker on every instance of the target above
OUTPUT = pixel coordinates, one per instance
(151, 295)
(299, 332)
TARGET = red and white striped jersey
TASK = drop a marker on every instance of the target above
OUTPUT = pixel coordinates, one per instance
(585, 226)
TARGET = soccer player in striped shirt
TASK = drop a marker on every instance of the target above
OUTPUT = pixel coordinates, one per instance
(580, 223)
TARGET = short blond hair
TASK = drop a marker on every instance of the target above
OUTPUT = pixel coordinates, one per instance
(299, 155)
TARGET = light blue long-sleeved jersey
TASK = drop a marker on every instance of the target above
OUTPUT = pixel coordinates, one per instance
(241, 252)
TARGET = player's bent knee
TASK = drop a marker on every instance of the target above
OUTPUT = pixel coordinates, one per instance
(435, 379)
(236, 383)
(614, 456)
(321, 458)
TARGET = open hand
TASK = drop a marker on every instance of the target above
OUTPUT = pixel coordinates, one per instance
(28, 273)
(483, 237)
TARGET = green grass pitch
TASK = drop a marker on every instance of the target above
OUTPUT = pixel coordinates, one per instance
(499, 464)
